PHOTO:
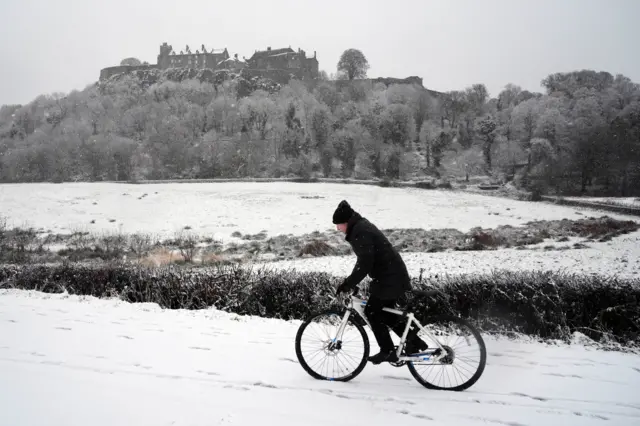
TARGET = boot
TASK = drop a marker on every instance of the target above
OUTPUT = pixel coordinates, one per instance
(415, 345)
(388, 355)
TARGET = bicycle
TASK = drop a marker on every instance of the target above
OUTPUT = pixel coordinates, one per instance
(352, 313)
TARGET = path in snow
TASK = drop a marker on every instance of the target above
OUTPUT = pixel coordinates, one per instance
(83, 361)
(219, 209)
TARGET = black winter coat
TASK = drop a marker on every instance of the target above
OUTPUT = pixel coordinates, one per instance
(376, 258)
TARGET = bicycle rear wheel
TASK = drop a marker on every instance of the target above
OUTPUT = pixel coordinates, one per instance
(460, 360)
(326, 356)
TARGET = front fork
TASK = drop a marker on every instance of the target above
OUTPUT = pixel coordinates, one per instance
(343, 325)
(335, 343)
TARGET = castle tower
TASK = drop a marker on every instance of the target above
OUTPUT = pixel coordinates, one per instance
(163, 58)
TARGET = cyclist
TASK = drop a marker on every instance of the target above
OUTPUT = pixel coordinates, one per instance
(377, 258)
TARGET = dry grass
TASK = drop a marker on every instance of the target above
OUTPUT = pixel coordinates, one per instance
(212, 259)
(317, 248)
(160, 257)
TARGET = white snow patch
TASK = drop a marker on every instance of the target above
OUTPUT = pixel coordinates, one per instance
(68, 360)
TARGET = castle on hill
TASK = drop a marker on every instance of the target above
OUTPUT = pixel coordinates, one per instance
(280, 65)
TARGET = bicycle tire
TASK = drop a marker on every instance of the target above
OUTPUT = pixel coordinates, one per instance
(483, 355)
(352, 321)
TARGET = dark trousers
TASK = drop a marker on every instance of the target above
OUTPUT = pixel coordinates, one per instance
(381, 321)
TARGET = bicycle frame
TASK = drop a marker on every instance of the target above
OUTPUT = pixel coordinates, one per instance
(357, 305)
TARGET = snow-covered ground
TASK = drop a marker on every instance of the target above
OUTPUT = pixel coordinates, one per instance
(219, 209)
(71, 361)
(619, 257)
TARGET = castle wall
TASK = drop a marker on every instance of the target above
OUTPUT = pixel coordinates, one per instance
(193, 60)
(108, 72)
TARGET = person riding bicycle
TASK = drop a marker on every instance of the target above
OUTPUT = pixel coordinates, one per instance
(390, 280)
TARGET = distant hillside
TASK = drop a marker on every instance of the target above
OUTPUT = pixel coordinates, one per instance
(581, 136)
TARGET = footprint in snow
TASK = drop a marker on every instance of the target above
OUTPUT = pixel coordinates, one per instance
(122, 336)
(595, 416)
(574, 376)
(419, 416)
(399, 401)
(209, 373)
(406, 379)
(169, 376)
(146, 367)
(97, 356)
(199, 348)
(507, 365)
(242, 388)
(497, 421)
(63, 328)
(524, 395)
(494, 402)
(215, 334)
(542, 365)
(265, 385)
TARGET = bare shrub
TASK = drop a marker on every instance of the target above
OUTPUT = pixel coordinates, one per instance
(141, 244)
(187, 243)
(25, 240)
(112, 245)
(3, 228)
(80, 241)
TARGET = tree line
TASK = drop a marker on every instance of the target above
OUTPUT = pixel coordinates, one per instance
(581, 135)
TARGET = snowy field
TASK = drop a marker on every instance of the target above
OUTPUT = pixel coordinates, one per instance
(619, 257)
(217, 210)
(70, 361)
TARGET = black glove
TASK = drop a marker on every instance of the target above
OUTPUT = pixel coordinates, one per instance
(342, 288)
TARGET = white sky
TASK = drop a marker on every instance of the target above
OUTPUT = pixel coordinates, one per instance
(61, 45)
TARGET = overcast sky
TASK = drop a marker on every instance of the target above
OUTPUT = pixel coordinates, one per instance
(48, 46)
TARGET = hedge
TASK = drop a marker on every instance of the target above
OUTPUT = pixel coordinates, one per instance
(542, 304)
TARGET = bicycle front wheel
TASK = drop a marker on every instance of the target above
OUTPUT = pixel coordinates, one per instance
(464, 359)
(326, 356)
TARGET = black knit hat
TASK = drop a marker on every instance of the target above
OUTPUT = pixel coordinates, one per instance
(343, 213)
